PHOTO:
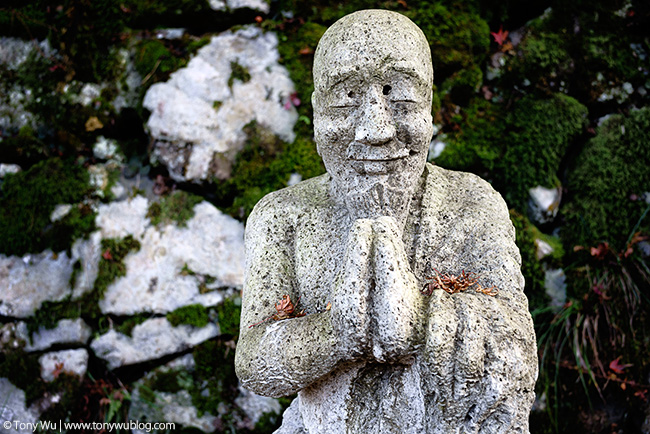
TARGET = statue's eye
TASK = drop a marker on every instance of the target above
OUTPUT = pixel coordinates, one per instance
(386, 90)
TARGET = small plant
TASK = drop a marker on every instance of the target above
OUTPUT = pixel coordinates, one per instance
(600, 337)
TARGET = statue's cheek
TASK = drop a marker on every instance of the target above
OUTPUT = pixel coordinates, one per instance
(415, 129)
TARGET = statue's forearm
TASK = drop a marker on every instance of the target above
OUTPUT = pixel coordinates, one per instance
(283, 357)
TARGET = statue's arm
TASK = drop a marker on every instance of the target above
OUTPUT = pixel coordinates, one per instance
(277, 358)
(481, 349)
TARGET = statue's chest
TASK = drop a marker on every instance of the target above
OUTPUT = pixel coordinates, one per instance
(319, 254)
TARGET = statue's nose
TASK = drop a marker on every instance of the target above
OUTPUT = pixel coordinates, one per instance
(375, 125)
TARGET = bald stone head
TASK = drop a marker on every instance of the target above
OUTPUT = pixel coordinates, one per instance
(373, 82)
(371, 37)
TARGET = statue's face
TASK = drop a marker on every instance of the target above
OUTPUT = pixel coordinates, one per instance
(372, 100)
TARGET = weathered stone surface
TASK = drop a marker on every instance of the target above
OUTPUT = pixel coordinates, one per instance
(67, 331)
(171, 407)
(555, 285)
(107, 149)
(30, 280)
(14, 410)
(87, 252)
(60, 211)
(123, 218)
(150, 340)
(13, 97)
(6, 169)
(543, 249)
(223, 5)
(210, 245)
(73, 362)
(355, 246)
(197, 116)
(255, 406)
(544, 203)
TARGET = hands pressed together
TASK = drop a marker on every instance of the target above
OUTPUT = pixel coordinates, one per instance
(377, 309)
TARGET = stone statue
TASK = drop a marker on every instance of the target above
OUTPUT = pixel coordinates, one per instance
(355, 246)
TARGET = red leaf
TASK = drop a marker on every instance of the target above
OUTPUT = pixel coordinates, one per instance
(500, 36)
(58, 370)
(601, 251)
(616, 366)
(107, 255)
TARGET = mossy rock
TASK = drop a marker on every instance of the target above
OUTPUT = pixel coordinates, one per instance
(111, 266)
(215, 366)
(229, 313)
(459, 39)
(543, 60)
(265, 165)
(531, 267)
(604, 201)
(195, 315)
(177, 207)
(476, 141)
(84, 32)
(27, 200)
(539, 133)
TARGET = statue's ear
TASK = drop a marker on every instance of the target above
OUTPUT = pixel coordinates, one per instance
(314, 99)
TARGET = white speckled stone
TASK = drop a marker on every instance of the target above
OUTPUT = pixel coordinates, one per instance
(67, 331)
(544, 203)
(67, 361)
(222, 5)
(150, 340)
(255, 406)
(197, 119)
(30, 280)
(211, 244)
(13, 408)
(6, 169)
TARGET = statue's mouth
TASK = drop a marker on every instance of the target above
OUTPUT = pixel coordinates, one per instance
(379, 154)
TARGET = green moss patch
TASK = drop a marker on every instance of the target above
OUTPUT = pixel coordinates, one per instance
(531, 267)
(177, 207)
(155, 61)
(605, 201)
(238, 72)
(195, 315)
(215, 367)
(477, 141)
(229, 313)
(540, 132)
(459, 40)
(28, 198)
(265, 165)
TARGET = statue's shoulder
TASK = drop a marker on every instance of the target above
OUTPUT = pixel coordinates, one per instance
(294, 200)
(461, 185)
(463, 191)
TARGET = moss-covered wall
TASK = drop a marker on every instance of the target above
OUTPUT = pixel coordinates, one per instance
(532, 93)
